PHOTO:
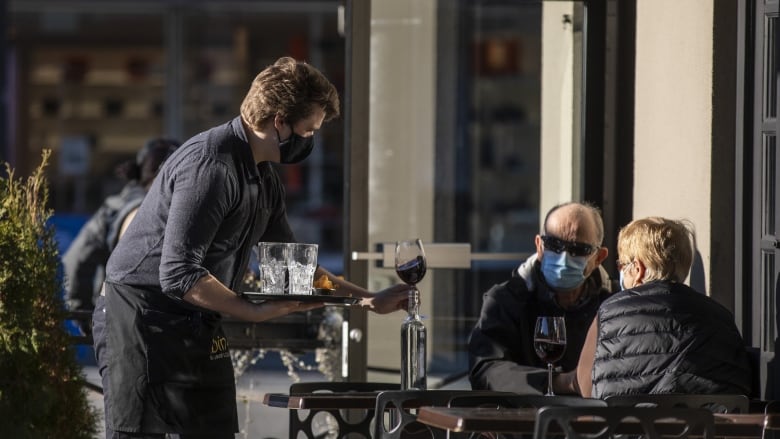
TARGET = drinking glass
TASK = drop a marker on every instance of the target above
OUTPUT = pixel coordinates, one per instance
(301, 264)
(410, 265)
(273, 266)
(550, 343)
(410, 262)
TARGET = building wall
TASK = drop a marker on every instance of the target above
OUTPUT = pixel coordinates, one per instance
(673, 116)
(560, 160)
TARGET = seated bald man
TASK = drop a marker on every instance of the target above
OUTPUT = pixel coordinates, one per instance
(563, 278)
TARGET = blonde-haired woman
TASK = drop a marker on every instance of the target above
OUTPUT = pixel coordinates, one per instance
(659, 335)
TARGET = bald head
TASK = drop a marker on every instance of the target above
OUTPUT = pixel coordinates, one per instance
(574, 221)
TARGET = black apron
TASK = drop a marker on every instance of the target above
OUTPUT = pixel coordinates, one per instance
(168, 366)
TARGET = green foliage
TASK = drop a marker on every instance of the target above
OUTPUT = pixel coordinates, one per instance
(41, 387)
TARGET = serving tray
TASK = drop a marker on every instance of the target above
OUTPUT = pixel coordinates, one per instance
(257, 297)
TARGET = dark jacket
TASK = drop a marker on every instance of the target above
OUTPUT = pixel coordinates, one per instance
(665, 337)
(84, 262)
(501, 351)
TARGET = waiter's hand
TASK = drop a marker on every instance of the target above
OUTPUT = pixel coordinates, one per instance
(388, 300)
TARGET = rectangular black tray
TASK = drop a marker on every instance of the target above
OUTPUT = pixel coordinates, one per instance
(256, 297)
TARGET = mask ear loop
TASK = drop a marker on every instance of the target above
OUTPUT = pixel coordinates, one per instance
(278, 121)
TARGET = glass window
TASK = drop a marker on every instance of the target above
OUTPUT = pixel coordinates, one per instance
(495, 204)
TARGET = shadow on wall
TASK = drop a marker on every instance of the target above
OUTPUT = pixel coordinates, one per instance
(772, 388)
(697, 274)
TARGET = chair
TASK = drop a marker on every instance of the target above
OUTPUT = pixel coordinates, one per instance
(714, 402)
(395, 413)
(342, 423)
(606, 421)
(771, 407)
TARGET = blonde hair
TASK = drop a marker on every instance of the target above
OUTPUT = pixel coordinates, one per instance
(291, 89)
(664, 246)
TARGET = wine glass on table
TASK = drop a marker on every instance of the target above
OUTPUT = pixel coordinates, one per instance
(550, 343)
(410, 265)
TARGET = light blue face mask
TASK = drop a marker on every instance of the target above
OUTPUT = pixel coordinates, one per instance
(562, 271)
(623, 268)
(622, 287)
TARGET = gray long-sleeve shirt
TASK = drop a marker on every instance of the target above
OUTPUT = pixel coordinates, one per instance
(208, 206)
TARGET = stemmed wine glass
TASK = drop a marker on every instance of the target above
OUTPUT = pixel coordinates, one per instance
(410, 261)
(410, 265)
(550, 344)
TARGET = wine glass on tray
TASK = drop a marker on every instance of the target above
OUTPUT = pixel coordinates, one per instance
(550, 343)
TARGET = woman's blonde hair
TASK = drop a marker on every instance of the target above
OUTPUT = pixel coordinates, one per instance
(664, 246)
(291, 89)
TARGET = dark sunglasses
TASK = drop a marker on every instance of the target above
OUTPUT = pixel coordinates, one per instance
(572, 247)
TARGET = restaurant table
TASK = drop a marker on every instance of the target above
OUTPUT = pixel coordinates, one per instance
(504, 420)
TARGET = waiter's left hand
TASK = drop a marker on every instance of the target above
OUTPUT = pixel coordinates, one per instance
(388, 300)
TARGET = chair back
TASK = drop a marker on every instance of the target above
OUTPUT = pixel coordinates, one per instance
(337, 423)
(606, 422)
(714, 402)
(395, 414)
(515, 401)
(771, 408)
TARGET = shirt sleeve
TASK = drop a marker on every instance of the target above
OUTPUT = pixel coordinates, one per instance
(204, 192)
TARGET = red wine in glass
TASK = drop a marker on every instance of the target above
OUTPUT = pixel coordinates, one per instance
(549, 351)
(412, 271)
(410, 261)
(550, 343)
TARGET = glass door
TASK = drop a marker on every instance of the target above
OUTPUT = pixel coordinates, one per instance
(465, 99)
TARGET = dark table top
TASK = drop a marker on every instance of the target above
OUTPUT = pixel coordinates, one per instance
(460, 419)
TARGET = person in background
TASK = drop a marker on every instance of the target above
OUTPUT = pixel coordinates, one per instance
(563, 278)
(160, 347)
(84, 261)
(658, 335)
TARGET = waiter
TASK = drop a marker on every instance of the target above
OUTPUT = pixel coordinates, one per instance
(161, 351)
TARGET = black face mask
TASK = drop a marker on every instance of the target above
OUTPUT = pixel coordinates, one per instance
(295, 148)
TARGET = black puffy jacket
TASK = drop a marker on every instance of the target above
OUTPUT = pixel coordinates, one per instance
(665, 337)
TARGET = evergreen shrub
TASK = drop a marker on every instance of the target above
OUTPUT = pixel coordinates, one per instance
(41, 386)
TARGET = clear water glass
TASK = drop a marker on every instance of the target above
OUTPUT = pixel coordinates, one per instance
(301, 265)
(273, 266)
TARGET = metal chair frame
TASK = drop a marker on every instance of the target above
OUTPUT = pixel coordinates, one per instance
(399, 408)
(352, 423)
(697, 421)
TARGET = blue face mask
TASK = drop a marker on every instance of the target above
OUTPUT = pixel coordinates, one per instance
(562, 271)
(622, 285)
